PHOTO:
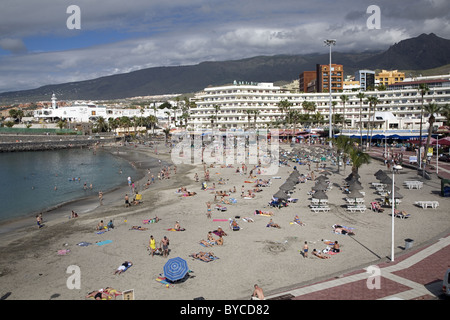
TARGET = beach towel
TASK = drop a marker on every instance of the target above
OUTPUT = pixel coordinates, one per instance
(220, 219)
(63, 252)
(83, 244)
(101, 243)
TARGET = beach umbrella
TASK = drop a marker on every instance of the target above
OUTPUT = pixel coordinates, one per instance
(355, 194)
(386, 180)
(175, 269)
(352, 176)
(319, 187)
(379, 172)
(288, 185)
(280, 195)
(320, 195)
(321, 178)
(355, 185)
(295, 173)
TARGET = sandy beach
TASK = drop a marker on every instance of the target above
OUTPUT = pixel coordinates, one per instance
(31, 268)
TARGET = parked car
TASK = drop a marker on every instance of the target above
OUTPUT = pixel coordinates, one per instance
(444, 157)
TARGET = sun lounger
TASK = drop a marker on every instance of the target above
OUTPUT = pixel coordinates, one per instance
(413, 184)
(426, 204)
(320, 209)
(356, 208)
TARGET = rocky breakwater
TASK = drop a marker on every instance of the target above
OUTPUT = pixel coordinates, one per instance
(14, 143)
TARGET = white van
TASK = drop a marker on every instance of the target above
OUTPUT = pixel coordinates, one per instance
(446, 283)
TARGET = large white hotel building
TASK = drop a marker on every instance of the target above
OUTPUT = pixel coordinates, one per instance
(398, 110)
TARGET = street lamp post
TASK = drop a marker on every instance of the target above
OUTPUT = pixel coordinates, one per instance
(392, 215)
(329, 43)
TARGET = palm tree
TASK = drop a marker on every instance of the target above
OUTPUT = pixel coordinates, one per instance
(125, 122)
(168, 118)
(333, 117)
(113, 124)
(284, 106)
(358, 158)
(431, 109)
(423, 89)
(360, 97)
(372, 105)
(249, 116)
(152, 120)
(212, 118)
(446, 113)
(343, 145)
(216, 111)
(295, 117)
(101, 125)
(255, 114)
(317, 117)
(61, 124)
(344, 99)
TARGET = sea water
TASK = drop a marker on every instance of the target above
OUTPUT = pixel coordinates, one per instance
(31, 182)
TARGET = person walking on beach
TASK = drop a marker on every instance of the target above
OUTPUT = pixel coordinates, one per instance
(305, 250)
(208, 210)
(165, 246)
(100, 197)
(127, 201)
(39, 221)
(152, 245)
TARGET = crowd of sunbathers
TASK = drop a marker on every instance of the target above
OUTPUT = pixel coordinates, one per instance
(185, 193)
(213, 241)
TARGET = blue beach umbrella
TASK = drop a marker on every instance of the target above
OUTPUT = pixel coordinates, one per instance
(175, 269)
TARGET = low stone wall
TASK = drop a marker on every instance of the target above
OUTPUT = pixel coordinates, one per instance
(38, 143)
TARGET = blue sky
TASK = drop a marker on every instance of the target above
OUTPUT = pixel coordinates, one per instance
(116, 36)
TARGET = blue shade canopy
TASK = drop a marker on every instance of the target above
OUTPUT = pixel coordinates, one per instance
(175, 269)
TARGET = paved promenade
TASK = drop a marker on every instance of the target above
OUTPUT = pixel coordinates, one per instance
(416, 274)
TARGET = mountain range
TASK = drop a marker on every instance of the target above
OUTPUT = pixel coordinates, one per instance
(422, 52)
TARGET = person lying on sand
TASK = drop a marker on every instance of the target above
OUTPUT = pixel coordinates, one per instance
(206, 243)
(220, 231)
(400, 213)
(138, 228)
(219, 241)
(273, 224)
(99, 295)
(123, 267)
(343, 230)
(319, 254)
(112, 292)
(297, 221)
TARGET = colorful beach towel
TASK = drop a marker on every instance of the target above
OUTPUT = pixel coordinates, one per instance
(101, 243)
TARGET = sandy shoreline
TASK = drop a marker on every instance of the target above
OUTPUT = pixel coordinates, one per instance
(31, 268)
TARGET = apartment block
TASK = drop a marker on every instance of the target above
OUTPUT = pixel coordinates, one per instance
(323, 77)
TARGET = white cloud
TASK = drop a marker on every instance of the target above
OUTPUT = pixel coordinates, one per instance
(180, 32)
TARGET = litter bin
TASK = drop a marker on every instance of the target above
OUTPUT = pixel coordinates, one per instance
(408, 243)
